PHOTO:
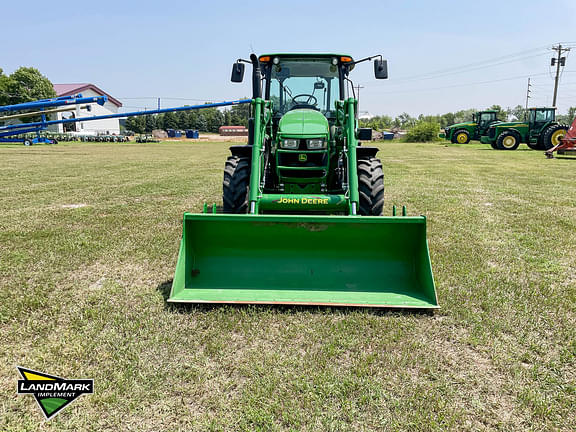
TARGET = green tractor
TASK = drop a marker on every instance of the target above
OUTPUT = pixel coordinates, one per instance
(540, 132)
(462, 133)
(302, 203)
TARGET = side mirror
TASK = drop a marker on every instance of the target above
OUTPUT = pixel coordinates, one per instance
(237, 72)
(381, 69)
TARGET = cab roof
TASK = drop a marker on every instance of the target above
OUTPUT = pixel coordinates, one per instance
(305, 55)
(309, 55)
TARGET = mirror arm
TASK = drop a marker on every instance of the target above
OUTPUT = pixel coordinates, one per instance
(366, 59)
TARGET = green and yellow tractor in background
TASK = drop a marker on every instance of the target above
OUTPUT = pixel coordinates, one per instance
(462, 133)
(540, 132)
(302, 203)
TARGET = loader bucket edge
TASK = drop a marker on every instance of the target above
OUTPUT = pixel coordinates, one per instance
(304, 260)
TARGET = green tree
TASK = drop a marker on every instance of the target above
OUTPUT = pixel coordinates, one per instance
(149, 123)
(239, 115)
(567, 118)
(501, 113)
(182, 119)
(201, 123)
(24, 85)
(423, 131)
(170, 121)
(136, 124)
(405, 121)
(518, 112)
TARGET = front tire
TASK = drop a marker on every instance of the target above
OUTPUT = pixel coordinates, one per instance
(508, 140)
(370, 186)
(235, 185)
(461, 137)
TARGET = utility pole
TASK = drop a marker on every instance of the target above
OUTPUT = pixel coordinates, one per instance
(358, 87)
(528, 93)
(558, 61)
(158, 103)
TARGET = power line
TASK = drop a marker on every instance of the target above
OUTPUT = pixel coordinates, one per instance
(462, 85)
(485, 63)
(462, 69)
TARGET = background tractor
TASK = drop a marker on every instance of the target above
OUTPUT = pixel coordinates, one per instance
(462, 133)
(302, 203)
(540, 132)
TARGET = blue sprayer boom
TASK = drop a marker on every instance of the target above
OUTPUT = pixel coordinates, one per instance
(16, 129)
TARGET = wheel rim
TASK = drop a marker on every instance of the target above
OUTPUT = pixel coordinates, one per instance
(508, 142)
(557, 136)
(461, 138)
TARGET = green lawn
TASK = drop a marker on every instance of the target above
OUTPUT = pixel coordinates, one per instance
(89, 236)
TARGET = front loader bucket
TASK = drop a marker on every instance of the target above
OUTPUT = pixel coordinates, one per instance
(309, 260)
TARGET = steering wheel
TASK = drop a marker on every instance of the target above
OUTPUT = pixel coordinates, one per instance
(311, 101)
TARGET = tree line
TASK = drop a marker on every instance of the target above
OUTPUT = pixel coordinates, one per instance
(205, 120)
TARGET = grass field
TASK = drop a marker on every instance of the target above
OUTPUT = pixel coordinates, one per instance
(89, 235)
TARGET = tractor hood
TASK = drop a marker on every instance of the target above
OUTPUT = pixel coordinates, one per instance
(456, 125)
(509, 124)
(303, 122)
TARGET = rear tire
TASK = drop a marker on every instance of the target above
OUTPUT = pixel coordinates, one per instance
(552, 136)
(370, 186)
(508, 140)
(236, 184)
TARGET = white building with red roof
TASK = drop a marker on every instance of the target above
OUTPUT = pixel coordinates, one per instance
(96, 127)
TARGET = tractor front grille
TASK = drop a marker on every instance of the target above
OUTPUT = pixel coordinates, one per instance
(302, 164)
(292, 159)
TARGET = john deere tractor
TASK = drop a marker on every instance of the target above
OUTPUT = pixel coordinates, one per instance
(462, 133)
(540, 132)
(302, 203)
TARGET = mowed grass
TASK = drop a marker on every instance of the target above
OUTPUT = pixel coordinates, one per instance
(89, 235)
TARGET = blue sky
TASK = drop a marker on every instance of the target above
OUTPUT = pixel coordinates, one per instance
(139, 50)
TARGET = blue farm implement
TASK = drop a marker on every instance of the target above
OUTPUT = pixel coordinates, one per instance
(20, 132)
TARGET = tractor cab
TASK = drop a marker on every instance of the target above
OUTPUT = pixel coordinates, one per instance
(539, 118)
(484, 118)
(307, 99)
(302, 83)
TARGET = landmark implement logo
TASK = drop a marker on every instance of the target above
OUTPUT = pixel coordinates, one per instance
(52, 393)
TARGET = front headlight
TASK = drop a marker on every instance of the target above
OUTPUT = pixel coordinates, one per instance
(291, 144)
(316, 144)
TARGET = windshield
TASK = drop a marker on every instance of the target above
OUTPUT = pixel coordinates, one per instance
(542, 115)
(486, 117)
(308, 83)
